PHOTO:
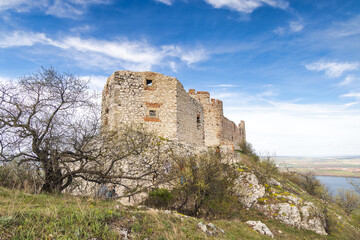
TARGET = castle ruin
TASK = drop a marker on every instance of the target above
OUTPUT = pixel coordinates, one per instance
(161, 104)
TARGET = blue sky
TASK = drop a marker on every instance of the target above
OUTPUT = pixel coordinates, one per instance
(289, 68)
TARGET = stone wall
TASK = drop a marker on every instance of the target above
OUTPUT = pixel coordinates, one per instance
(219, 131)
(190, 117)
(232, 134)
(212, 117)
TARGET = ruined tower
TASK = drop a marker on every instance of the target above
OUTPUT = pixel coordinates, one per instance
(161, 104)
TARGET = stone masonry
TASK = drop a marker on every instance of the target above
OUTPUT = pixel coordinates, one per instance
(161, 104)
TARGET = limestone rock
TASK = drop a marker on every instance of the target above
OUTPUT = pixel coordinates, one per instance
(260, 227)
(274, 182)
(312, 218)
(248, 189)
(305, 216)
(210, 229)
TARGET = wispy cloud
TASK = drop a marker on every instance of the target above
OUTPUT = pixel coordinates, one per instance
(352, 95)
(223, 86)
(167, 2)
(58, 8)
(296, 26)
(96, 82)
(332, 69)
(246, 6)
(4, 80)
(19, 38)
(293, 27)
(268, 93)
(345, 28)
(349, 79)
(314, 129)
(134, 55)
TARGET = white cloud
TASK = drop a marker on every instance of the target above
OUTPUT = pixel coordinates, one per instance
(346, 28)
(4, 80)
(332, 69)
(299, 129)
(352, 95)
(293, 27)
(349, 79)
(246, 6)
(167, 2)
(134, 55)
(97, 82)
(296, 26)
(268, 93)
(20, 38)
(280, 30)
(193, 56)
(58, 8)
(18, 5)
(222, 86)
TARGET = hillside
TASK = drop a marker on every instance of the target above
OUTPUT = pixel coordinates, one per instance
(41, 216)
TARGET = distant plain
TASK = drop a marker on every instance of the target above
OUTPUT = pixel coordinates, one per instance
(322, 166)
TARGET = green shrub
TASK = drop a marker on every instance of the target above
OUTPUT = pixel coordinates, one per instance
(20, 177)
(265, 169)
(247, 149)
(203, 185)
(348, 200)
(309, 183)
(159, 197)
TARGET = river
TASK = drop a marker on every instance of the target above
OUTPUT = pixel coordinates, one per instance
(335, 183)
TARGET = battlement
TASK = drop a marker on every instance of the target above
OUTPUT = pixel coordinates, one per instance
(161, 103)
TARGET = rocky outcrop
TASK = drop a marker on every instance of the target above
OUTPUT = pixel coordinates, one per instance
(248, 189)
(260, 227)
(312, 218)
(305, 216)
(277, 203)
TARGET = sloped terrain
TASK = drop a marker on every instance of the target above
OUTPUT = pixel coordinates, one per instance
(41, 216)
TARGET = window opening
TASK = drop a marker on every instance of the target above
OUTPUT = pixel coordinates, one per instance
(152, 113)
(149, 82)
(198, 122)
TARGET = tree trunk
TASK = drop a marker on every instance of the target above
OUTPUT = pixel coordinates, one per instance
(53, 178)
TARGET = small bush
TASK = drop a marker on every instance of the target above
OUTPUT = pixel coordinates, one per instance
(266, 169)
(159, 197)
(203, 185)
(348, 200)
(309, 183)
(247, 149)
(20, 177)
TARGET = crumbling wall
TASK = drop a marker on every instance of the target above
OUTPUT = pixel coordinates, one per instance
(213, 113)
(231, 133)
(122, 100)
(219, 131)
(190, 118)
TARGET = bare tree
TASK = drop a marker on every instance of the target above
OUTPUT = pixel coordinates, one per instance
(50, 120)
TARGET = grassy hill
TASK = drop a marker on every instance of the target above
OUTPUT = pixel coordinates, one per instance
(41, 216)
